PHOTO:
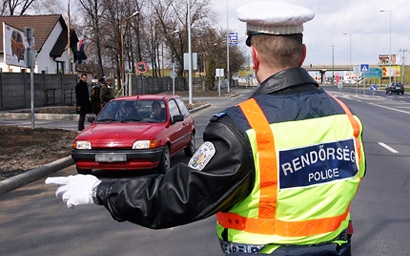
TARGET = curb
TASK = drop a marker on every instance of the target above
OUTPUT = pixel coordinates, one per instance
(39, 116)
(199, 108)
(32, 175)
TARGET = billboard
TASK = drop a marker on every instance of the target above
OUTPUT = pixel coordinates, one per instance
(14, 45)
(384, 59)
(394, 71)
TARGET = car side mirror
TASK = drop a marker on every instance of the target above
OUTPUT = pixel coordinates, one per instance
(177, 118)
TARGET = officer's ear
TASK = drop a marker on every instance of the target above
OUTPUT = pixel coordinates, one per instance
(303, 56)
(255, 58)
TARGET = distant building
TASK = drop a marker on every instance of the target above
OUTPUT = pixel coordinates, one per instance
(50, 43)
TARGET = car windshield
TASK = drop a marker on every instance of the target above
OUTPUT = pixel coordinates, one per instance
(151, 111)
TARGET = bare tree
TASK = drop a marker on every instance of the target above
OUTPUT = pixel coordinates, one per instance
(94, 13)
(15, 7)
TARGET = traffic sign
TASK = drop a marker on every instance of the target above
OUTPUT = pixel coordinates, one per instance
(373, 87)
(233, 38)
(141, 67)
(364, 68)
(374, 73)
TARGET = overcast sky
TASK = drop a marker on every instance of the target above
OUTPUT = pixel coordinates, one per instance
(367, 28)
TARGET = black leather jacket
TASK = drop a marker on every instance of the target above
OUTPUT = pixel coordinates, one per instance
(185, 195)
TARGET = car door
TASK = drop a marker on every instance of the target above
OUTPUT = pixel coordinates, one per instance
(178, 133)
(188, 123)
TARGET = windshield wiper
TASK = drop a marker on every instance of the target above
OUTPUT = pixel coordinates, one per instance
(107, 120)
(130, 120)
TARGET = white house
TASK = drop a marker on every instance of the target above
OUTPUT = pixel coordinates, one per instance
(50, 43)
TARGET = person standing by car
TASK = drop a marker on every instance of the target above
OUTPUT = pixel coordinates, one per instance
(279, 170)
(83, 100)
(95, 97)
(107, 92)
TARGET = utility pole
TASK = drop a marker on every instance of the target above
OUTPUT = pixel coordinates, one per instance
(403, 60)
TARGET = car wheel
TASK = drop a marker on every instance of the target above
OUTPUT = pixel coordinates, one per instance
(83, 171)
(165, 162)
(190, 149)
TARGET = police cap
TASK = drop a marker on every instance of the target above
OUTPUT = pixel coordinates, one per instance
(273, 18)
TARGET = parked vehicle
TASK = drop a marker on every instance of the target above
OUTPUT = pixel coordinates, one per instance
(145, 140)
(394, 88)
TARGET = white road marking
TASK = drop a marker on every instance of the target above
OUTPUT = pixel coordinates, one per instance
(398, 110)
(388, 148)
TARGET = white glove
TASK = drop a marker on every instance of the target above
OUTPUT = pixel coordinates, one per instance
(75, 190)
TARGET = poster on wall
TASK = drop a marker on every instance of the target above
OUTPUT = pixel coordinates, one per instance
(14, 45)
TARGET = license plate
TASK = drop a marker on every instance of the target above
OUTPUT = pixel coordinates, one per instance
(398, 88)
(110, 158)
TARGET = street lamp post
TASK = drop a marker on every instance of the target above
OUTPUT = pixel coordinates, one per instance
(350, 47)
(176, 31)
(189, 53)
(390, 57)
(227, 46)
(403, 60)
(350, 51)
(122, 48)
(333, 65)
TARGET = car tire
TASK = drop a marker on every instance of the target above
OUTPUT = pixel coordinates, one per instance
(165, 162)
(83, 171)
(190, 149)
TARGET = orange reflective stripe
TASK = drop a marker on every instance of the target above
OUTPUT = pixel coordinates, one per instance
(279, 227)
(353, 122)
(266, 156)
(266, 222)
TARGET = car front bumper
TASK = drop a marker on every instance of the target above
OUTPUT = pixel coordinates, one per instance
(121, 159)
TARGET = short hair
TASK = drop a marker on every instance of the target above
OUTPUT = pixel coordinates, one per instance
(156, 103)
(279, 50)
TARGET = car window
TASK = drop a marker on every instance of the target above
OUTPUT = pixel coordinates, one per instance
(184, 110)
(146, 110)
(173, 108)
(110, 112)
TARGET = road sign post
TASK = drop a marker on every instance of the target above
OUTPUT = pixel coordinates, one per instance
(373, 88)
(364, 68)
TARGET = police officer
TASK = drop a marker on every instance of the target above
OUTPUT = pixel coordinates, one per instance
(279, 170)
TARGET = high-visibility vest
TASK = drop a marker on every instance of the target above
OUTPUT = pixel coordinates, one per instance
(304, 181)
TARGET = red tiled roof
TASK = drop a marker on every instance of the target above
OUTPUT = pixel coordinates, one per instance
(42, 24)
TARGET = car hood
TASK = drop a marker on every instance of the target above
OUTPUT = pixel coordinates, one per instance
(119, 134)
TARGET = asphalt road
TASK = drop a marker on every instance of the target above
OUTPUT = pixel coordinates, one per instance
(33, 222)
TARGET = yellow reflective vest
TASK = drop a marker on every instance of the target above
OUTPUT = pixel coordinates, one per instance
(308, 166)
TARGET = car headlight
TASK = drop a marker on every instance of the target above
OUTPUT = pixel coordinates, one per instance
(82, 144)
(141, 144)
(144, 144)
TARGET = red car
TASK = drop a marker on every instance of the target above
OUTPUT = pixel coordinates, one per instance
(135, 132)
